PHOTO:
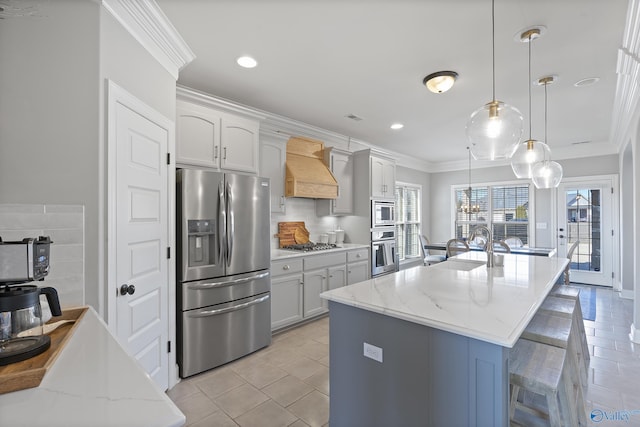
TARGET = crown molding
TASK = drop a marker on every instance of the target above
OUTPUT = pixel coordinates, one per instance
(146, 22)
(628, 70)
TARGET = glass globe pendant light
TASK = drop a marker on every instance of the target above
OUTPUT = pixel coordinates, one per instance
(494, 130)
(547, 173)
(530, 151)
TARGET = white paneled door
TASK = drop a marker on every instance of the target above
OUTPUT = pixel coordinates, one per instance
(141, 238)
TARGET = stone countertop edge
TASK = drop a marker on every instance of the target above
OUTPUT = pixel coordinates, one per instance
(92, 382)
(428, 296)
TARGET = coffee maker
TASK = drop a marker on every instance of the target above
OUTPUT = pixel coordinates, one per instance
(21, 325)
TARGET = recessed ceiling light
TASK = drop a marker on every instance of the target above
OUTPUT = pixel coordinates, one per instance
(246, 62)
(397, 126)
(586, 82)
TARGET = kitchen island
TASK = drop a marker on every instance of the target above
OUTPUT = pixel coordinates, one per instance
(429, 346)
(93, 382)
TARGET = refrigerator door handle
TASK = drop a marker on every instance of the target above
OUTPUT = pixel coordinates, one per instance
(209, 313)
(222, 224)
(230, 223)
(199, 286)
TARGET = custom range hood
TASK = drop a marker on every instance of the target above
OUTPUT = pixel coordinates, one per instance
(307, 175)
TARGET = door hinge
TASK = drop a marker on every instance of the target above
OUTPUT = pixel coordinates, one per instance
(168, 158)
(168, 252)
(612, 274)
(168, 346)
(612, 232)
(611, 190)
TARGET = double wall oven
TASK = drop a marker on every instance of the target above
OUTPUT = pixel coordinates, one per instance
(383, 238)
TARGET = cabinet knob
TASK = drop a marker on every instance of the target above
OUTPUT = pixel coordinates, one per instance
(286, 267)
(127, 289)
(358, 256)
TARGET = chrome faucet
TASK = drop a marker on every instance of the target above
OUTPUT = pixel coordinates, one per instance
(489, 245)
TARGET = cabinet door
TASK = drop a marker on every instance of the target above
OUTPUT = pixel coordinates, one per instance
(342, 168)
(286, 300)
(314, 284)
(357, 272)
(377, 177)
(337, 277)
(273, 156)
(389, 177)
(239, 139)
(197, 135)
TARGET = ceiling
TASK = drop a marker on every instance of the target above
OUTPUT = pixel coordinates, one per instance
(322, 60)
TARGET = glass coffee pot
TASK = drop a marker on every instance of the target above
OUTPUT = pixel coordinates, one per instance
(21, 325)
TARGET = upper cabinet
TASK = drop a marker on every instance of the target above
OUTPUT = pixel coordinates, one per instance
(383, 178)
(341, 165)
(375, 178)
(214, 139)
(273, 155)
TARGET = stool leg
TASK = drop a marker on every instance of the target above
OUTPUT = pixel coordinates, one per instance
(514, 400)
(554, 410)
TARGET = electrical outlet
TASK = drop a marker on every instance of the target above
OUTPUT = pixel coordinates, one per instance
(373, 352)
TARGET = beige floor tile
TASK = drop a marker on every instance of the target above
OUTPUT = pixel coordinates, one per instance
(267, 414)
(217, 419)
(303, 367)
(196, 407)
(281, 356)
(320, 381)
(182, 389)
(325, 361)
(219, 382)
(314, 350)
(262, 375)
(313, 409)
(299, 423)
(240, 400)
(287, 390)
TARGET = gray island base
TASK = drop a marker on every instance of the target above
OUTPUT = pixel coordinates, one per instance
(427, 377)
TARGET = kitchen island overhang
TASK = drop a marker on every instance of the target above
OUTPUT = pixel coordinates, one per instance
(443, 334)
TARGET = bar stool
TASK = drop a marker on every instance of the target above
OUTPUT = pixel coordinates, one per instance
(557, 331)
(542, 369)
(570, 308)
(571, 292)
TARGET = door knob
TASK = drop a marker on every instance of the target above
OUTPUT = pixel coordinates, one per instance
(127, 289)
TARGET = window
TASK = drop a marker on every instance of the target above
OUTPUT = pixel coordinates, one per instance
(408, 200)
(503, 208)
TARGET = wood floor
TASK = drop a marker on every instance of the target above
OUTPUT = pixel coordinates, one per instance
(287, 383)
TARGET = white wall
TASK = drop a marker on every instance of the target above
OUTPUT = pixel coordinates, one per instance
(440, 206)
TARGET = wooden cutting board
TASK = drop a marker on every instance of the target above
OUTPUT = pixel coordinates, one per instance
(288, 231)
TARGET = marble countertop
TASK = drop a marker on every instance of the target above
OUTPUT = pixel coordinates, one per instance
(461, 295)
(278, 254)
(94, 382)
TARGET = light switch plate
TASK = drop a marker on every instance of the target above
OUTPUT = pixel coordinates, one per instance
(373, 352)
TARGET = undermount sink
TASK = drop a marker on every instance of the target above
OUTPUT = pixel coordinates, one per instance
(462, 265)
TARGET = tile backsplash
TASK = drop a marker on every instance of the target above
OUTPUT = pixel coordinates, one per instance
(65, 225)
(301, 209)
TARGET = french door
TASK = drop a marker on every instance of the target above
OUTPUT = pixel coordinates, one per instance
(585, 215)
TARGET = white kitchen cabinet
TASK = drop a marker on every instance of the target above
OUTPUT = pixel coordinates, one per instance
(321, 273)
(337, 277)
(286, 293)
(341, 165)
(315, 282)
(214, 139)
(273, 157)
(382, 178)
(357, 265)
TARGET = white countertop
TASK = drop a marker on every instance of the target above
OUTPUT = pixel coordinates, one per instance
(492, 305)
(94, 382)
(277, 254)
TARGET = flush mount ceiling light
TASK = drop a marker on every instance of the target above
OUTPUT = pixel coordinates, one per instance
(246, 62)
(546, 174)
(441, 81)
(530, 151)
(397, 126)
(494, 130)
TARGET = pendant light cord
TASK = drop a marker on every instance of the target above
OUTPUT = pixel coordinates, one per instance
(529, 83)
(545, 118)
(469, 195)
(493, 47)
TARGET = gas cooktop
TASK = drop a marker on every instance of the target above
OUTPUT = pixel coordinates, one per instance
(307, 247)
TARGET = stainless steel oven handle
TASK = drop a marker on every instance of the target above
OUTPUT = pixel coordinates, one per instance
(231, 223)
(221, 224)
(226, 282)
(209, 313)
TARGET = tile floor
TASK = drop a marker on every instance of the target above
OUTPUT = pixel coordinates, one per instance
(287, 383)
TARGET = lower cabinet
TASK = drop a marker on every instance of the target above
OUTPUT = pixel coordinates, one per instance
(286, 293)
(296, 283)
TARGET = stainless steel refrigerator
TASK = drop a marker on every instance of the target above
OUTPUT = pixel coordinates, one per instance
(223, 295)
